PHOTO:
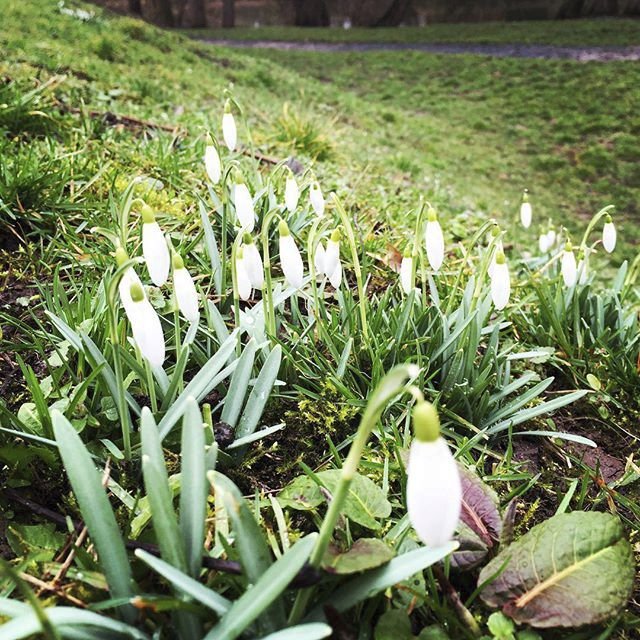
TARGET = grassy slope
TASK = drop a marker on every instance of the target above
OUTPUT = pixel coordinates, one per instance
(603, 32)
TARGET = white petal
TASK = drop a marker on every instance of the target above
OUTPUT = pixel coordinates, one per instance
(525, 214)
(147, 332)
(129, 277)
(434, 241)
(543, 243)
(583, 271)
(434, 492)
(551, 238)
(318, 260)
(244, 207)
(406, 274)
(212, 164)
(156, 253)
(331, 257)
(242, 276)
(609, 237)
(186, 294)
(500, 286)
(317, 200)
(291, 261)
(569, 268)
(254, 266)
(335, 278)
(229, 132)
(291, 194)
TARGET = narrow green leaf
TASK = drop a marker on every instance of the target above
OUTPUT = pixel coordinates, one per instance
(211, 247)
(239, 385)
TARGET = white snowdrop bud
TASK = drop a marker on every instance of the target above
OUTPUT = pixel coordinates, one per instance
(243, 281)
(525, 210)
(500, 282)
(406, 273)
(146, 327)
(543, 243)
(154, 248)
(290, 259)
(568, 266)
(129, 277)
(229, 131)
(609, 235)
(318, 260)
(253, 261)
(434, 490)
(185, 290)
(212, 163)
(317, 199)
(291, 193)
(434, 240)
(335, 277)
(332, 253)
(583, 267)
(552, 236)
(244, 204)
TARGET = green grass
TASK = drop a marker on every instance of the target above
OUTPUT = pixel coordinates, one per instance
(602, 32)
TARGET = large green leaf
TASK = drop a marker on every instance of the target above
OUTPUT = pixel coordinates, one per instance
(573, 569)
(365, 554)
(365, 501)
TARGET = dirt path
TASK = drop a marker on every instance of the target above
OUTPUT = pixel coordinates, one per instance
(580, 54)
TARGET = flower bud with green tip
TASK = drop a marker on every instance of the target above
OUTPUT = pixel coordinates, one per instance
(434, 490)
(229, 131)
(129, 277)
(212, 163)
(525, 210)
(609, 235)
(243, 203)
(290, 259)
(154, 248)
(253, 261)
(185, 290)
(146, 327)
(317, 199)
(332, 265)
(406, 272)
(434, 240)
(291, 192)
(500, 282)
(568, 265)
(243, 281)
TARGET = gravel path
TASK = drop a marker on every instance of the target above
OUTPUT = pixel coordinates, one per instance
(580, 54)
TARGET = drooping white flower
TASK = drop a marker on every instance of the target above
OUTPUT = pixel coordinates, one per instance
(253, 262)
(434, 240)
(317, 199)
(146, 327)
(185, 290)
(243, 282)
(552, 236)
(583, 267)
(406, 273)
(290, 259)
(568, 266)
(332, 254)
(434, 490)
(335, 277)
(291, 193)
(500, 282)
(525, 210)
(212, 163)
(609, 235)
(543, 242)
(129, 277)
(154, 248)
(318, 260)
(229, 131)
(244, 204)
(496, 250)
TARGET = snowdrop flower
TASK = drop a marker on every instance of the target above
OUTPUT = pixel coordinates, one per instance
(552, 236)
(500, 282)
(290, 259)
(243, 282)
(434, 490)
(332, 253)
(525, 210)
(583, 267)
(434, 240)
(185, 290)
(146, 327)
(317, 199)
(253, 261)
(244, 204)
(543, 242)
(568, 266)
(406, 273)
(609, 235)
(154, 248)
(212, 163)
(291, 192)
(229, 131)
(318, 260)
(129, 277)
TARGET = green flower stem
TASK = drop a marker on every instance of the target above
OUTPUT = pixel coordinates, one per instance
(390, 386)
(416, 252)
(594, 221)
(362, 298)
(269, 311)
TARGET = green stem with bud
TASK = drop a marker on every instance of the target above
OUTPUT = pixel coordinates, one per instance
(601, 214)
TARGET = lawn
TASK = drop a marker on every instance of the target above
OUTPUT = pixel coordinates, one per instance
(238, 450)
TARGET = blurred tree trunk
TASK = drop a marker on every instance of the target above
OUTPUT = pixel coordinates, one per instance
(194, 14)
(228, 14)
(135, 7)
(311, 13)
(399, 11)
(161, 13)
(381, 13)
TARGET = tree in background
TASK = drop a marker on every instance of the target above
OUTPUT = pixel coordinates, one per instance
(228, 14)
(311, 13)
(162, 13)
(135, 7)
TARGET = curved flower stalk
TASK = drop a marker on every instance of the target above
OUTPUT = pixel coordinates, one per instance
(316, 198)
(243, 281)
(609, 235)
(243, 203)
(185, 290)
(434, 490)
(500, 281)
(434, 240)
(290, 259)
(406, 273)
(146, 327)
(212, 163)
(229, 131)
(525, 210)
(154, 248)
(252, 261)
(291, 192)
(568, 265)
(129, 277)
